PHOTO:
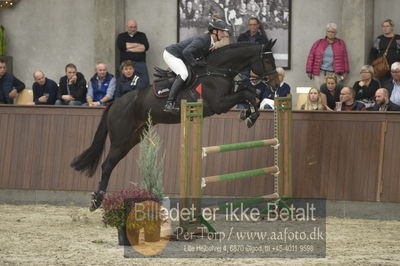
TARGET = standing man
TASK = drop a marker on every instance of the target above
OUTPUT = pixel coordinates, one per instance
(255, 32)
(72, 87)
(44, 89)
(9, 85)
(133, 45)
(101, 87)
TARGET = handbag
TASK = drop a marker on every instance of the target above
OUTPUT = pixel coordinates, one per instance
(381, 65)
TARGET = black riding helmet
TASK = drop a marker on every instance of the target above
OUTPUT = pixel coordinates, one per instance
(217, 24)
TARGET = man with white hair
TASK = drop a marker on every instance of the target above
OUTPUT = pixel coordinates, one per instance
(101, 87)
(393, 84)
(133, 45)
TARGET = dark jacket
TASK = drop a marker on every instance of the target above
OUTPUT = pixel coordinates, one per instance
(138, 37)
(366, 92)
(379, 47)
(77, 90)
(7, 82)
(389, 107)
(189, 50)
(356, 106)
(49, 87)
(388, 84)
(125, 85)
(259, 38)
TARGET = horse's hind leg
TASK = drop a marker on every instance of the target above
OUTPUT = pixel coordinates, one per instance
(118, 150)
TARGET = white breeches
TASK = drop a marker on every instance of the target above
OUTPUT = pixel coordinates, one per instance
(176, 65)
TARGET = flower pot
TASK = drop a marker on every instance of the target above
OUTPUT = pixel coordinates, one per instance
(152, 232)
(128, 237)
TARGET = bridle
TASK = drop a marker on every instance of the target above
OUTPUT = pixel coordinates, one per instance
(264, 75)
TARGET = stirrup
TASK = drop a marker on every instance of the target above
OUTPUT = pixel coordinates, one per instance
(170, 107)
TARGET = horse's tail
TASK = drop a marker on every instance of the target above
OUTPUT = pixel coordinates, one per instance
(88, 161)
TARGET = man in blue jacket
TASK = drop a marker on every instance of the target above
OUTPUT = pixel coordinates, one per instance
(189, 51)
(101, 87)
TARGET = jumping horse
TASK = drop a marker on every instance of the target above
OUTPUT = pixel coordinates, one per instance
(125, 120)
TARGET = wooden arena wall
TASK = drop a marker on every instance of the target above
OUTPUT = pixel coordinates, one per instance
(341, 156)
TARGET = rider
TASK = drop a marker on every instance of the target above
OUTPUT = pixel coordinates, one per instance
(189, 51)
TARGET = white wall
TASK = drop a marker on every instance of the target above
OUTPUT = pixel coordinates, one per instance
(47, 35)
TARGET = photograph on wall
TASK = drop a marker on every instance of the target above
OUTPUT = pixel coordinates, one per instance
(274, 16)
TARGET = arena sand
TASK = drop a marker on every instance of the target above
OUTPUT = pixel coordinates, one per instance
(54, 235)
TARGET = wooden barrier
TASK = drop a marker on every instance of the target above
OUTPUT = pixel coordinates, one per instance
(192, 153)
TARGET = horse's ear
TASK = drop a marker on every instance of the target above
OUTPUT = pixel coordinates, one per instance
(270, 43)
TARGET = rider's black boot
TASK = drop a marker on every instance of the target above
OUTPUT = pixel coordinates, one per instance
(176, 86)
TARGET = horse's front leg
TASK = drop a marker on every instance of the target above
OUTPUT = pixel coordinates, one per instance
(225, 103)
(253, 113)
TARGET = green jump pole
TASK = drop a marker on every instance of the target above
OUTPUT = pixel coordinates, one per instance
(239, 146)
(241, 175)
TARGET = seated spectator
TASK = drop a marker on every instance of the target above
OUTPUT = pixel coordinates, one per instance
(44, 89)
(366, 87)
(393, 84)
(129, 81)
(257, 85)
(314, 101)
(270, 93)
(348, 102)
(383, 103)
(72, 87)
(9, 85)
(330, 91)
(101, 87)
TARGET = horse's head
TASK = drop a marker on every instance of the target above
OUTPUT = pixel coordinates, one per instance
(264, 66)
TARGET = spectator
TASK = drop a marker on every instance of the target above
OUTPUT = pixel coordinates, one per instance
(393, 84)
(255, 32)
(9, 85)
(382, 42)
(330, 91)
(270, 93)
(101, 87)
(44, 89)
(133, 45)
(72, 87)
(128, 81)
(327, 56)
(254, 83)
(383, 103)
(348, 102)
(314, 101)
(366, 87)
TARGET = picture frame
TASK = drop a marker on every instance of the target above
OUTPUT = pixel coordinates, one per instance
(274, 16)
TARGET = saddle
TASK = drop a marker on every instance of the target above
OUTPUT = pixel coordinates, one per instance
(165, 79)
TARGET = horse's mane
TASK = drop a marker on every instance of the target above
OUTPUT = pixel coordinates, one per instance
(233, 46)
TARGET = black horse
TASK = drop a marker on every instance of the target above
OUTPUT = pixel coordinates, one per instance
(125, 119)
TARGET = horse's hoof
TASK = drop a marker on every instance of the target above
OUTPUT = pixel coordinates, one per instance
(97, 199)
(249, 122)
(243, 115)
